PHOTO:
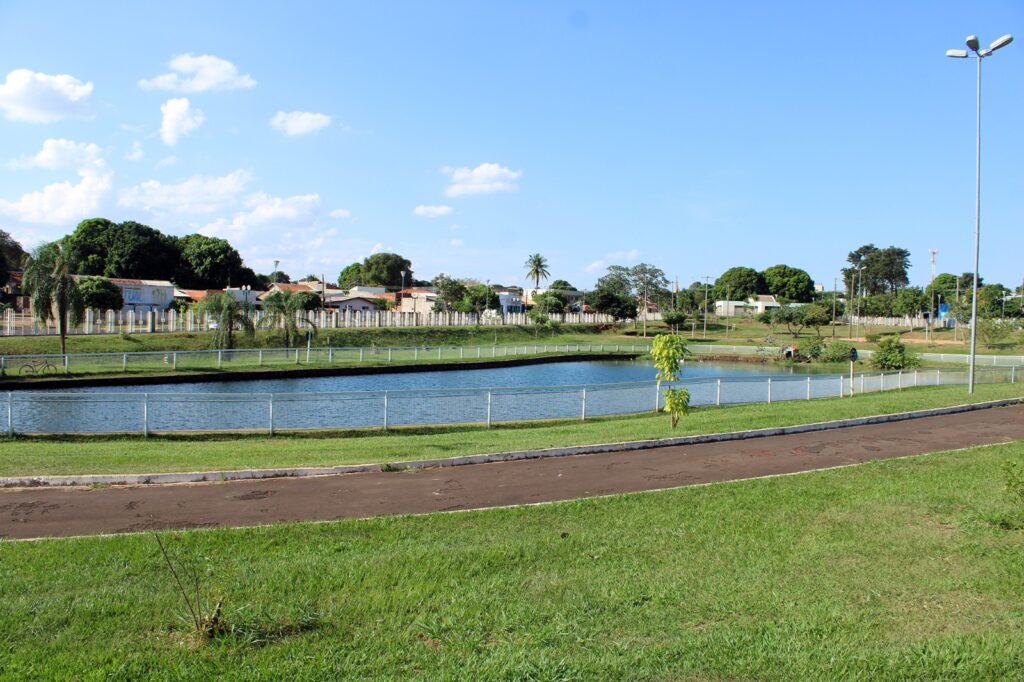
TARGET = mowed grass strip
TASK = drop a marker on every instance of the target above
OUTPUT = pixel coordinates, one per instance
(38, 456)
(888, 570)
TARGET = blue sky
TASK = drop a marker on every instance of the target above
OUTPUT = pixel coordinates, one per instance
(694, 136)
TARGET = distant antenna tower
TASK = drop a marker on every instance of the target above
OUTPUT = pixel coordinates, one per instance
(931, 316)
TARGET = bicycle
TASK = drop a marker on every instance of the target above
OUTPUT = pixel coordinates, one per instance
(43, 366)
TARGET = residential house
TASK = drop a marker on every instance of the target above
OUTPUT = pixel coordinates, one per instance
(143, 295)
(755, 305)
(416, 300)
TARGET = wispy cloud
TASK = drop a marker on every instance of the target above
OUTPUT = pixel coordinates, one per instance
(487, 178)
(199, 73)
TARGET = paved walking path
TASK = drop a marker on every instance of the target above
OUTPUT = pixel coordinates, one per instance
(42, 512)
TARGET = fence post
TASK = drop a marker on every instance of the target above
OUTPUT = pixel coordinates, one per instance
(808, 388)
(494, 351)
(389, 355)
(899, 385)
(174, 361)
(718, 392)
(260, 362)
(915, 378)
(360, 355)
(385, 410)
(220, 359)
(145, 415)
(478, 351)
(583, 410)
(270, 406)
(657, 397)
(296, 356)
(840, 385)
(416, 353)
(3, 365)
(488, 409)
(330, 355)
(862, 383)
(67, 363)
(769, 390)
(10, 415)
(462, 352)
(1013, 374)
(439, 352)
(124, 362)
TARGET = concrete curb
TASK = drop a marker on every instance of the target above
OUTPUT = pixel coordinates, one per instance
(299, 472)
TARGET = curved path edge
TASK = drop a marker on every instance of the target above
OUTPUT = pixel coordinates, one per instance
(461, 460)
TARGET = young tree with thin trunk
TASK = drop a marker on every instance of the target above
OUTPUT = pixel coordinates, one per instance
(284, 310)
(53, 290)
(228, 314)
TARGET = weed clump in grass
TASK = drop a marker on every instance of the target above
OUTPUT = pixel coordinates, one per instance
(1013, 488)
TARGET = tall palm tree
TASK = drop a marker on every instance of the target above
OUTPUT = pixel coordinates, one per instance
(229, 314)
(55, 295)
(537, 269)
(284, 310)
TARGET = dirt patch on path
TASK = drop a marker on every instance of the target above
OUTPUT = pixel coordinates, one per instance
(46, 512)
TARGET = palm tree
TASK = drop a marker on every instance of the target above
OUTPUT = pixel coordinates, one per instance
(54, 292)
(536, 269)
(285, 310)
(228, 314)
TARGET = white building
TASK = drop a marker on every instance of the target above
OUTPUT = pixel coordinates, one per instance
(511, 300)
(755, 305)
(143, 295)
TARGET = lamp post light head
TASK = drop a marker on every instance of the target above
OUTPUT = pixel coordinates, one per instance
(1000, 42)
(959, 54)
(972, 43)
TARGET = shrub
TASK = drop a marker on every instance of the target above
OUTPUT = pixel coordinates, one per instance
(674, 319)
(810, 348)
(995, 332)
(892, 354)
(874, 337)
(837, 351)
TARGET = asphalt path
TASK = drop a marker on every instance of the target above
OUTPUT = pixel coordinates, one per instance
(61, 512)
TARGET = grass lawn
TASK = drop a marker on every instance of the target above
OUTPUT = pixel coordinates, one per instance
(37, 456)
(889, 570)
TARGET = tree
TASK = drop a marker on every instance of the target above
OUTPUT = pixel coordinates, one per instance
(99, 293)
(995, 332)
(792, 284)
(674, 319)
(549, 302)
(892, 354)
(129, 249)
(87, 246)
(536, 269)
(385, 270)
(13, 254)
(910, 301)
(738, 284)
(561, 285)
(284, 310)
(815, 316)
(5, 274)
(55, 295)
(351, 276)
(450, 292)
(668, 352)
(278, 277)
(791, 317)
(884, 270)
(478, 298)
(228, 314)
(207, 263)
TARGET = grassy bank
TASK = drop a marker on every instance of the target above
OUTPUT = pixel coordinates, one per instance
(890, 570)
(36, 456)
(403, 336)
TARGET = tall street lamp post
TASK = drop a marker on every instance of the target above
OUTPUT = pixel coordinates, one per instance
(973, 45)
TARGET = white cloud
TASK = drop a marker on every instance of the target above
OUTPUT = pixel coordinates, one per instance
(61, 153)
(41, 98)
(432, 211)
(167, 161)
(136, 153)
(299, 122)
(340, 213)
(198, 194)
(377, 248)
(265, 212)
(613, 258)
(179, 119)
(486, 178)
(199, 73)
(456, 243)
(63, 202)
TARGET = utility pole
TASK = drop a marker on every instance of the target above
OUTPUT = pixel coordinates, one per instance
(931, 299)
(835, 294)
(707, 278)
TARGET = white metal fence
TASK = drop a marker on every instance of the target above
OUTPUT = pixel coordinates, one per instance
(148, 413)
(241, 358)
(773, 352)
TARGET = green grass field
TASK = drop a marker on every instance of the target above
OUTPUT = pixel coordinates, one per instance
(37, 456)
(891, 570)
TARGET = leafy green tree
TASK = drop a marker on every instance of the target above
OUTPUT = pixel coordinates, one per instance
(792, 284)
(536, 268)
(13, 254)
(910, 301)
(815, 316)
(810, 347)
(561, 285)
(880, 305)
(87, 246)
(99, 293)
(278, 277)
(884, 270)
(674, 319)
(450, 292)
(138, 251)
(837, 351)
(668, 352)
(791, 317)
(550, 303)
(284, 311)
(5, 274)
(738, 284)
(479, 297)
(892, 354)
(207, 263)
(995, 332)
(229, 314)
(611, 301)
(351, 276)
(53, 290)
(991, 301)
(385, 270)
